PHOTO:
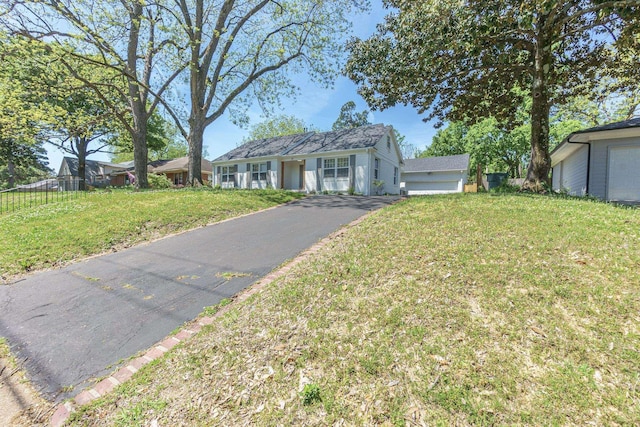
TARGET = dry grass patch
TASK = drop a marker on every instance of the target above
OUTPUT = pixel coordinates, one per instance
(443, 310)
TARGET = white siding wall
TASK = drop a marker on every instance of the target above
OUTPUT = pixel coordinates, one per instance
(421, 183)
(362, 174)
(555, 176)
(573, 172)
(336, 184)
(388, 161)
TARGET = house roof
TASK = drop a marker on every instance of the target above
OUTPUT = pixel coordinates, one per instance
(437, 164)
(170, 165)
(91, 167)
(626, 124)
(179, 164)
(308, 143)
(572, 143)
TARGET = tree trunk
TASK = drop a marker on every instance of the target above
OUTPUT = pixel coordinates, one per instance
(138, 100)
(140, 155)
(82, 169)
(196, 136)
(540, 164)
(11, 169)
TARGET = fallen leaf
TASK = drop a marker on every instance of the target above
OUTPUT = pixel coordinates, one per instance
(538, 331)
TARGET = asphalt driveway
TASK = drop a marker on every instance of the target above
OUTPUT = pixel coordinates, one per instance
(69, 326)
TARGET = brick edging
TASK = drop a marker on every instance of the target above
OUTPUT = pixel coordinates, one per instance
(64, 410)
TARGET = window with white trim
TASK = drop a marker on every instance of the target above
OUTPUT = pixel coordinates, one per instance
(336, 168)
(376, 169)
(388, 143)
(229, 173)
(259, 171)
(395, 176)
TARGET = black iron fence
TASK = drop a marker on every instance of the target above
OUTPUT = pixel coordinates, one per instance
(39, 193)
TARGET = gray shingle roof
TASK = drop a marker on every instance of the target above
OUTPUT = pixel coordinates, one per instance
(437, 164)
(632, 123)
(308, 143)
(91, 167)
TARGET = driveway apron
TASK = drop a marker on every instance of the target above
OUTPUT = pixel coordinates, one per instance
(70, 326)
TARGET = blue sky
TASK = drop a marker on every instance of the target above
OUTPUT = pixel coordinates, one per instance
(315, 105)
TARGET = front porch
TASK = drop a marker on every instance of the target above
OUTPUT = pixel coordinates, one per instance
(292, 175)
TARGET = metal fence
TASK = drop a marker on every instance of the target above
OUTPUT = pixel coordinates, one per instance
(31, 195)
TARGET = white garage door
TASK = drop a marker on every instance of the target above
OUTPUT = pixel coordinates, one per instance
(418, 188)
(624, 174)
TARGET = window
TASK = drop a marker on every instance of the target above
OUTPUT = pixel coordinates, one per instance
(259, 171)
(376, 169)
(329, 168)
(336, 168)
(177, 179)
(395, 176)
(388, 143)
(229, 173)
(343, 167)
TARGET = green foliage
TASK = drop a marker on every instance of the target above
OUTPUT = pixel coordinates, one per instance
(460, 61)
(488, 143)
(278, 126)
(310, 394)
(163, 142)
(350, 118)
(159, 182)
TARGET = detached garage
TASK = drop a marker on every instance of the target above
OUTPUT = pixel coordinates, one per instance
(602, 161)
(435, 175)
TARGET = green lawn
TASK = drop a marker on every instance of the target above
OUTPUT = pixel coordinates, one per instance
(449, 310)
(53, 234)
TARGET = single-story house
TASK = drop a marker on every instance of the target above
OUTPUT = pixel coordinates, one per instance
(435, 175)
(602, 161)
(96, 173)
(176, 170)
(365, 160)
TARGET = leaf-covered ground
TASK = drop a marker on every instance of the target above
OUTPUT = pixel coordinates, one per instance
(445, 310)
(54, 234)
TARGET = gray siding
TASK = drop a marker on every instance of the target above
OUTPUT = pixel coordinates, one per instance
(600, 162)
(574, 172)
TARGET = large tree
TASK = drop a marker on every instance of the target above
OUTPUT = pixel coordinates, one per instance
(21, 151)
(133, 38)
(246, 52)
(70, 117)
(469, 60)
(350, 118)
(487, 142)
(163, 142)
(279, 125)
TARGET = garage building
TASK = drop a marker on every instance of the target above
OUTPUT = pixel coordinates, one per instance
(602, 161)
(435, 175)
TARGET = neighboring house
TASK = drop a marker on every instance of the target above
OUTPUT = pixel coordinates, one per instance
(364, 160)
(44, 185)
(603, 161)
(96, 173)
(176, 170)
(435, 175)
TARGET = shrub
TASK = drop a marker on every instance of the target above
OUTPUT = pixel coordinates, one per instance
(159, 181)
